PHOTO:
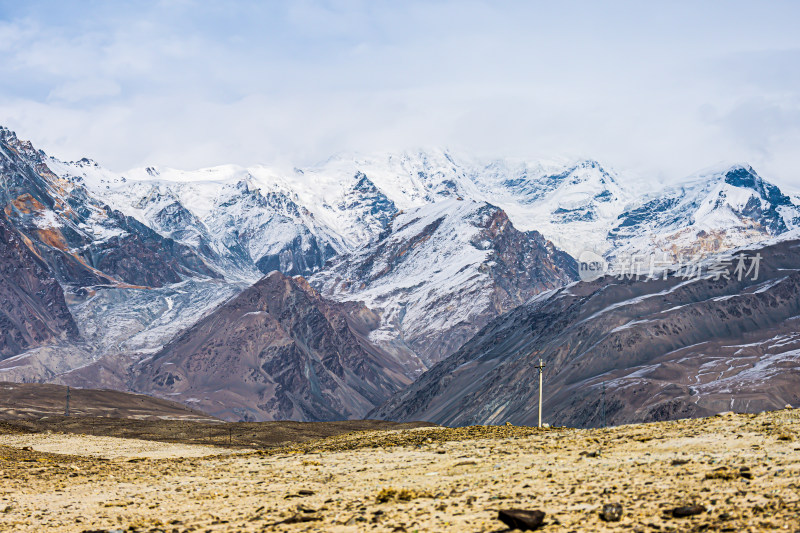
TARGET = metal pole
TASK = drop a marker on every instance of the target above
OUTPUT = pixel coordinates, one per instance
(541, 369)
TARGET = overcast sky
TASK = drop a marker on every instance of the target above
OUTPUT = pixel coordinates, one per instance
(662, 89)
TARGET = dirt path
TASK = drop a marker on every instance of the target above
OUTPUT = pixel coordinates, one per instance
(744, 470)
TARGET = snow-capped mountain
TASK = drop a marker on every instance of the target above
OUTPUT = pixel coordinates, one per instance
(221, 212)
(442, 271)
(253, 220)
(63, 251)
(572, 203)
(306, 216)
(712, 212)
(83, 240)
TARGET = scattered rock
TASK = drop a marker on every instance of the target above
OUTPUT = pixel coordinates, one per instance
(611, 512)
(722, 472)
(688, 510)
(590, 454)
(521, 519)
(788, 406)
(403, 495)
(299, 518)
(305, 492)
(680, 462)
(745, 472)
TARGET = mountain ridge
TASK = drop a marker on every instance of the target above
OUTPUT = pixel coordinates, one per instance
(431, 246)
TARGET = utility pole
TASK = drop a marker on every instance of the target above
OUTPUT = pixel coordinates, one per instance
(541, 370)
(66, 410)
(604, 404)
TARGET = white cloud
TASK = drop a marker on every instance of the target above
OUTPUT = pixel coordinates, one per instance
(84, 89)
(663, 89)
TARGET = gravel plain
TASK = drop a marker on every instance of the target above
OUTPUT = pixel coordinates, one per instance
(729, 473)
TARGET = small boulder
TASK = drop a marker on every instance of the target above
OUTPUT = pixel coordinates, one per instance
(611, 512)
(521, 519)
(688, 510)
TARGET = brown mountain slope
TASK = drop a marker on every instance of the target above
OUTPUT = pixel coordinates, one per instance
(665, 349)
(32, 401)
(32, 307)
(276, 351)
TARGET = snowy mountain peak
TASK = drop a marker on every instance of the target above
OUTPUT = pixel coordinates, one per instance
(713, 211)
(443, 270)
(746, 177)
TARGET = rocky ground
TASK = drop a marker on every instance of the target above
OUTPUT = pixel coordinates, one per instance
(737, 472)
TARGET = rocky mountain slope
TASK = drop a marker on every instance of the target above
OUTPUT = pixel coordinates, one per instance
(440, 272)
(277, 351)
(62, 249)
(33, 311)
(665, 348)
(84, 241)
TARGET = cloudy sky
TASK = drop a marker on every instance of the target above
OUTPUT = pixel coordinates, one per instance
(658, 88)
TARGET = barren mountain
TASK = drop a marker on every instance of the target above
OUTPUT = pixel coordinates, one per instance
(34, 401)
(665, 348)
(33, 310)
(276, 351)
